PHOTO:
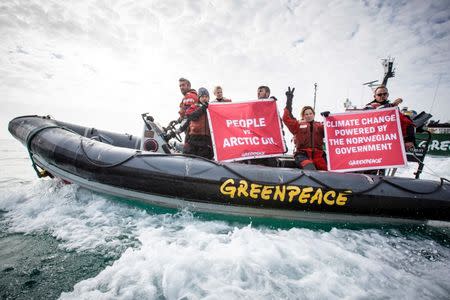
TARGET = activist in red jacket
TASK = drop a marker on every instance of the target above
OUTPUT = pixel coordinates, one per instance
(199, 138)
(381, 101)
(189, 97)
(308, 136)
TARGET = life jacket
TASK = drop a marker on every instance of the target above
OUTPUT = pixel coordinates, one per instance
(190, 98)
(379, 105)
(303, 137)
(199, 126)
(408, 133)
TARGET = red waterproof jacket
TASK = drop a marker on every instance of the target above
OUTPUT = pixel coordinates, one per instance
(200, 125)
(190, 98)
(303, 136)
(407, 128)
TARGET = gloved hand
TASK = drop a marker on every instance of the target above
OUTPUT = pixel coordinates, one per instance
(184, 125)
(169, 135)
(289, 97)
(397, 101)
(325, 113)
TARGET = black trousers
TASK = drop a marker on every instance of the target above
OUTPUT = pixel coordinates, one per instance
(199, 145)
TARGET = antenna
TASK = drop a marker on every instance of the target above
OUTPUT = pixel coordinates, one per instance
(315, 91)
(371, 84)
(435, 93)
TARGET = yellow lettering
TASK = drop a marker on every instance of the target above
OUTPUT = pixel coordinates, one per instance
(228, 190)
(280, 192)
(242, 189)
(342, 198)
(266, 192)
(317, 196)
(305, 194)
(326, 197)
(255, 189)
(294, 191)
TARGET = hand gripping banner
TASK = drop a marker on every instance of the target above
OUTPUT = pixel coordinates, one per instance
(364, 140)
(244, 130)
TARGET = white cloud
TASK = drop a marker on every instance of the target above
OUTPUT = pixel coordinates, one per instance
(102, 63)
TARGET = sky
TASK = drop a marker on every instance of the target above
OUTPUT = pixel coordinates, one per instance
(103, 63)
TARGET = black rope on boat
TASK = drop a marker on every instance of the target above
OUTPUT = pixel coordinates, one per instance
(29, 139)
(104, 165)
(198, 157)
(44, 173)
(438, 187)
(236, 173)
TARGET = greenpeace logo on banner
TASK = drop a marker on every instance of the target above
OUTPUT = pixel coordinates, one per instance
(365, 161)
(243, 130)
(364, 140)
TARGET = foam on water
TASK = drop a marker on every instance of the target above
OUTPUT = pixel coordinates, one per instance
(78, 218)
(214, 260)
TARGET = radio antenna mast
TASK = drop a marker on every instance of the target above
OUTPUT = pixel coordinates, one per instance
(435, 93)
(315, 92)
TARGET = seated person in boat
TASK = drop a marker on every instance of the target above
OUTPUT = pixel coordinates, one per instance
(199, 138)
(218, 92)
(308, 136)
(381, 101)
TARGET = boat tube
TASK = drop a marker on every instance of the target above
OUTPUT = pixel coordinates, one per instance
(115, 164)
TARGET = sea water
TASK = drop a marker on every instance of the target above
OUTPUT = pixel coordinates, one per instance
(63, 241)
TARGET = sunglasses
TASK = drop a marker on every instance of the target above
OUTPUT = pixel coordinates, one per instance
(382, 94)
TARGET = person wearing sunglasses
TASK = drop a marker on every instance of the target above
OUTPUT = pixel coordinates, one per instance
(381, 101)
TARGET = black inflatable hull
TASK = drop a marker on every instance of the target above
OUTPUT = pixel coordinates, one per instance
(114, 166)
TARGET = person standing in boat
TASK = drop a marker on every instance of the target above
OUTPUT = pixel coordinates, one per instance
(218, 92)
(308, 136)
(189, 97)
(199, 137)
(263, 92)
(381, 101)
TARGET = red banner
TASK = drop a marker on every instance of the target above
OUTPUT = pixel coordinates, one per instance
(243, 130)
(364, 140)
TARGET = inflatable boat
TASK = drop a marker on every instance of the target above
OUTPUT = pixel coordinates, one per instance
(148, 169)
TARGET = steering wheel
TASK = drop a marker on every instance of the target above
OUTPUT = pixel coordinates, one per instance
(172, 131)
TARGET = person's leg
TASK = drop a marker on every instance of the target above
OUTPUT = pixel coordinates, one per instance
(320, 160)
(205, 151)
(303, 161)
(189, 149)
